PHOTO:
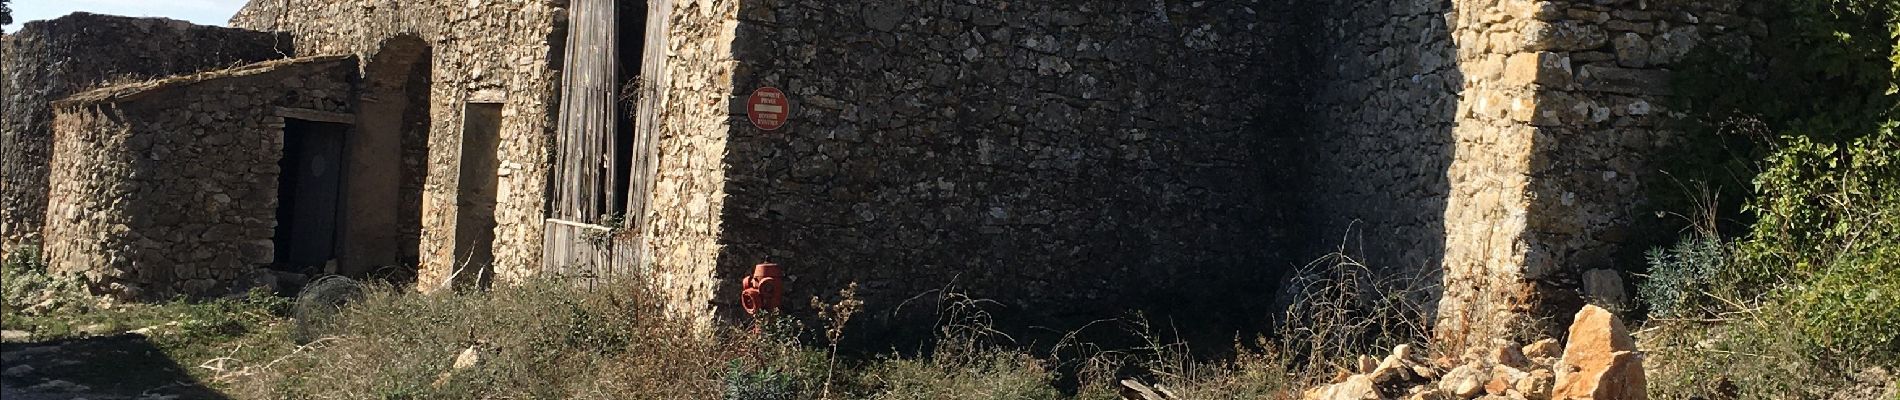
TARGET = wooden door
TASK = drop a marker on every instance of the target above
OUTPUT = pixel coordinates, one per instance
(308, 191)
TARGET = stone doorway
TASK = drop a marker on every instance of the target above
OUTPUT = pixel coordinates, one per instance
(308, 194)
(476, 193)
(388, 158)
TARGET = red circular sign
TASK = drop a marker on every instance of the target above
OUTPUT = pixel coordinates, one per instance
(768, 108)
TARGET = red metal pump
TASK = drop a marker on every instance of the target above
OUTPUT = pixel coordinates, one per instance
(764, 290)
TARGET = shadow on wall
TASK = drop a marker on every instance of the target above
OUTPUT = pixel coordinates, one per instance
(1381, 103)
(394, 126)
(1073, 161)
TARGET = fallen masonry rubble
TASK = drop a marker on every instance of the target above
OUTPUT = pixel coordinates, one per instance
(1600, 362)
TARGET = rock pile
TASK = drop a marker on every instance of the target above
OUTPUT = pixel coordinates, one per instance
(1600, 363)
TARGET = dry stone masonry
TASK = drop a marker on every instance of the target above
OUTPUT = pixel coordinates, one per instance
(499, 52)
(169, 187)
(1578, 93)
(1068, 159)
(49, 60)
(1065, 158)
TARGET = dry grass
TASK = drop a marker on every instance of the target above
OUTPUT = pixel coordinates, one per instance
(540, 340)
(544, 340)
(551, 340)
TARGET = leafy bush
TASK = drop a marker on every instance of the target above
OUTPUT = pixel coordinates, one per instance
(1848, 309)
(1682, 275)
(759, 385)
(1806, 294)
(1827, 234)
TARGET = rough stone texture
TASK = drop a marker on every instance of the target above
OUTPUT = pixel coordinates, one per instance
(1599, 134)
(1485, 213)
(48, 60)
(1067, 159)
(1032, 152)
(1385, 86)
(1604, 287)
(687, 200)
(1074, 158)
(169, 187)
(1600, 362)
(483, 51)
(1559, 129)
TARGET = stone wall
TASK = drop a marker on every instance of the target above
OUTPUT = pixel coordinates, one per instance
(1575, 95)
(1379, 118)
(680, 240)
(1419, 115)
(48, 60)
(482, 51)
(1070, 160)
(1080, 157)
(1603, 131)
(169, 187)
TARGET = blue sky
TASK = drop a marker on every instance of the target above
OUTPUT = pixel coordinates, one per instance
(206, 12)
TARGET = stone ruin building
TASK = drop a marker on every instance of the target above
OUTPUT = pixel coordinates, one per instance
(1066, 158)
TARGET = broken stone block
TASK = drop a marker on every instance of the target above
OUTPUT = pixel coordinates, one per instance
(1509, 354)
(1546, 348)
(1503, 379)
(1366, 364)
(1631, 50)
(1357, 387)
(1536, 385)
(1601, 362)
(1465, 382)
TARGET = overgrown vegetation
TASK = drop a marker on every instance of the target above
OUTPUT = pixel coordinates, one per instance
(175, 340)
(551, 340)
(547, 340)
(1795, 292)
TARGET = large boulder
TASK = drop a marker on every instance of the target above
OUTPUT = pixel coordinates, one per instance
(1601, 362)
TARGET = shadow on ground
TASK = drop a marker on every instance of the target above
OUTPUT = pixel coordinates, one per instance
(127, 366)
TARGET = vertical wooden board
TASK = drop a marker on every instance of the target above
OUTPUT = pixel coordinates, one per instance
(584, 134)
(654, 81)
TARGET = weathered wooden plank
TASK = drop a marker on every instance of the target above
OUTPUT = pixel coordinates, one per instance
(629, 256)
(315, 115)
(584, 172)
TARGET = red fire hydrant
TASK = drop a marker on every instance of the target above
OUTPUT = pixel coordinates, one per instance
(763, 290)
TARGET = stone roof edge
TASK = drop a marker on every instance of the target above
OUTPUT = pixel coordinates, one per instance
(134, 90)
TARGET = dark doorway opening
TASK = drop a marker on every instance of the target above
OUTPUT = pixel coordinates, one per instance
(308, 191)
(476, 194)
(629, 51)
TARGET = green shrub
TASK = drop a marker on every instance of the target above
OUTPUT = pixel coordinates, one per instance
(1683, 276)
(985, 374)
(1807, 293)
(765, 384)
(1849, 309)
(1828, 238)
